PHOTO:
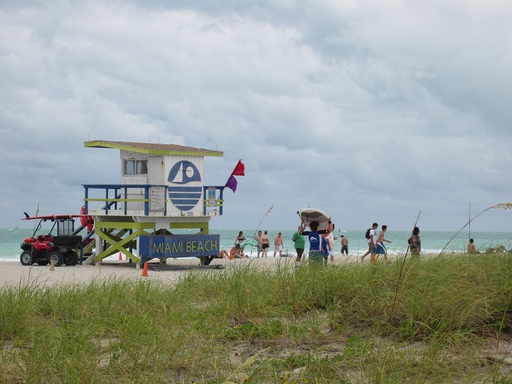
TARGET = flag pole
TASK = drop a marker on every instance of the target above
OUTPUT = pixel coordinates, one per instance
(469, 225)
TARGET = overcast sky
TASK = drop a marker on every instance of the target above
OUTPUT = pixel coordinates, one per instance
(368, 110)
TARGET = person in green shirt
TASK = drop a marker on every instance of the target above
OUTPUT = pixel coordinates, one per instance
(299, 243)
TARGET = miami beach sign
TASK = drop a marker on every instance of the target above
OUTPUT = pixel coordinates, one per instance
(164, 246)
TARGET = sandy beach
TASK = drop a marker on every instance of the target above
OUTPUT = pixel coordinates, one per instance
(14, 274)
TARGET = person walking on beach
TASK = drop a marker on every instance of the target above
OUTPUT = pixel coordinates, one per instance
(278, 244)
(315, 242)
(415, 242)
(258, 240)
(329, 237)
(344, 245)
(471, 246)
(371, 240)
(380, 248)
(299, 243)
(265, 243)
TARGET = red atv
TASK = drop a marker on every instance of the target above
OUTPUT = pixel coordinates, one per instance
(62, 248)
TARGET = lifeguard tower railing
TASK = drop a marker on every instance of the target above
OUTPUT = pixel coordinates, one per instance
(144, 199)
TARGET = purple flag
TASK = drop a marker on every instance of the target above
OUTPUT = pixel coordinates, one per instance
(231, 183)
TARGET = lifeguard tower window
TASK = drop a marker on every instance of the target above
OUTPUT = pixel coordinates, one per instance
(135, 167)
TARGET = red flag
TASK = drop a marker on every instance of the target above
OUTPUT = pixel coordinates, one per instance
(239, 169)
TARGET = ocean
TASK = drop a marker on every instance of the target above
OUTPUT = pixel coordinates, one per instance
(431, 241)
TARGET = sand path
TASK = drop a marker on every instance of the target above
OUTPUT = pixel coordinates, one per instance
(14, 274)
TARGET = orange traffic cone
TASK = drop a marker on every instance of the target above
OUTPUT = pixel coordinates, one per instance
(145, 269)
(120, 256)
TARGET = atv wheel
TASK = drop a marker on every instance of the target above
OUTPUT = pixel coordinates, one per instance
(42, 262)
(56, 257)
(71, 258)
(26, 258)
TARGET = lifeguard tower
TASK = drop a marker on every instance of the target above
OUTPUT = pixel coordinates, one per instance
(161, 193)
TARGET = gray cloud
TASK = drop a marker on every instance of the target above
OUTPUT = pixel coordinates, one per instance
(369, 111)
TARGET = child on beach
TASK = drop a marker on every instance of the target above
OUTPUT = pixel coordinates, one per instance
(471, 246)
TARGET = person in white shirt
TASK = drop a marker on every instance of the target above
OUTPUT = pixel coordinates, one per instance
(371, 241)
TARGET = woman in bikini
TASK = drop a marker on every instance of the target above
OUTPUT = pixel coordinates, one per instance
(265, 243)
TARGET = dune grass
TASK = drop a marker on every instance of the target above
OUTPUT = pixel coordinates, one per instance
(447, 320)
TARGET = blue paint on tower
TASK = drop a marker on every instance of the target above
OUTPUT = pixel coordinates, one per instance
(182, 195)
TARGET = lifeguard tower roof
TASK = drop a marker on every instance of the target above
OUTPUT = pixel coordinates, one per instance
(154, 149)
